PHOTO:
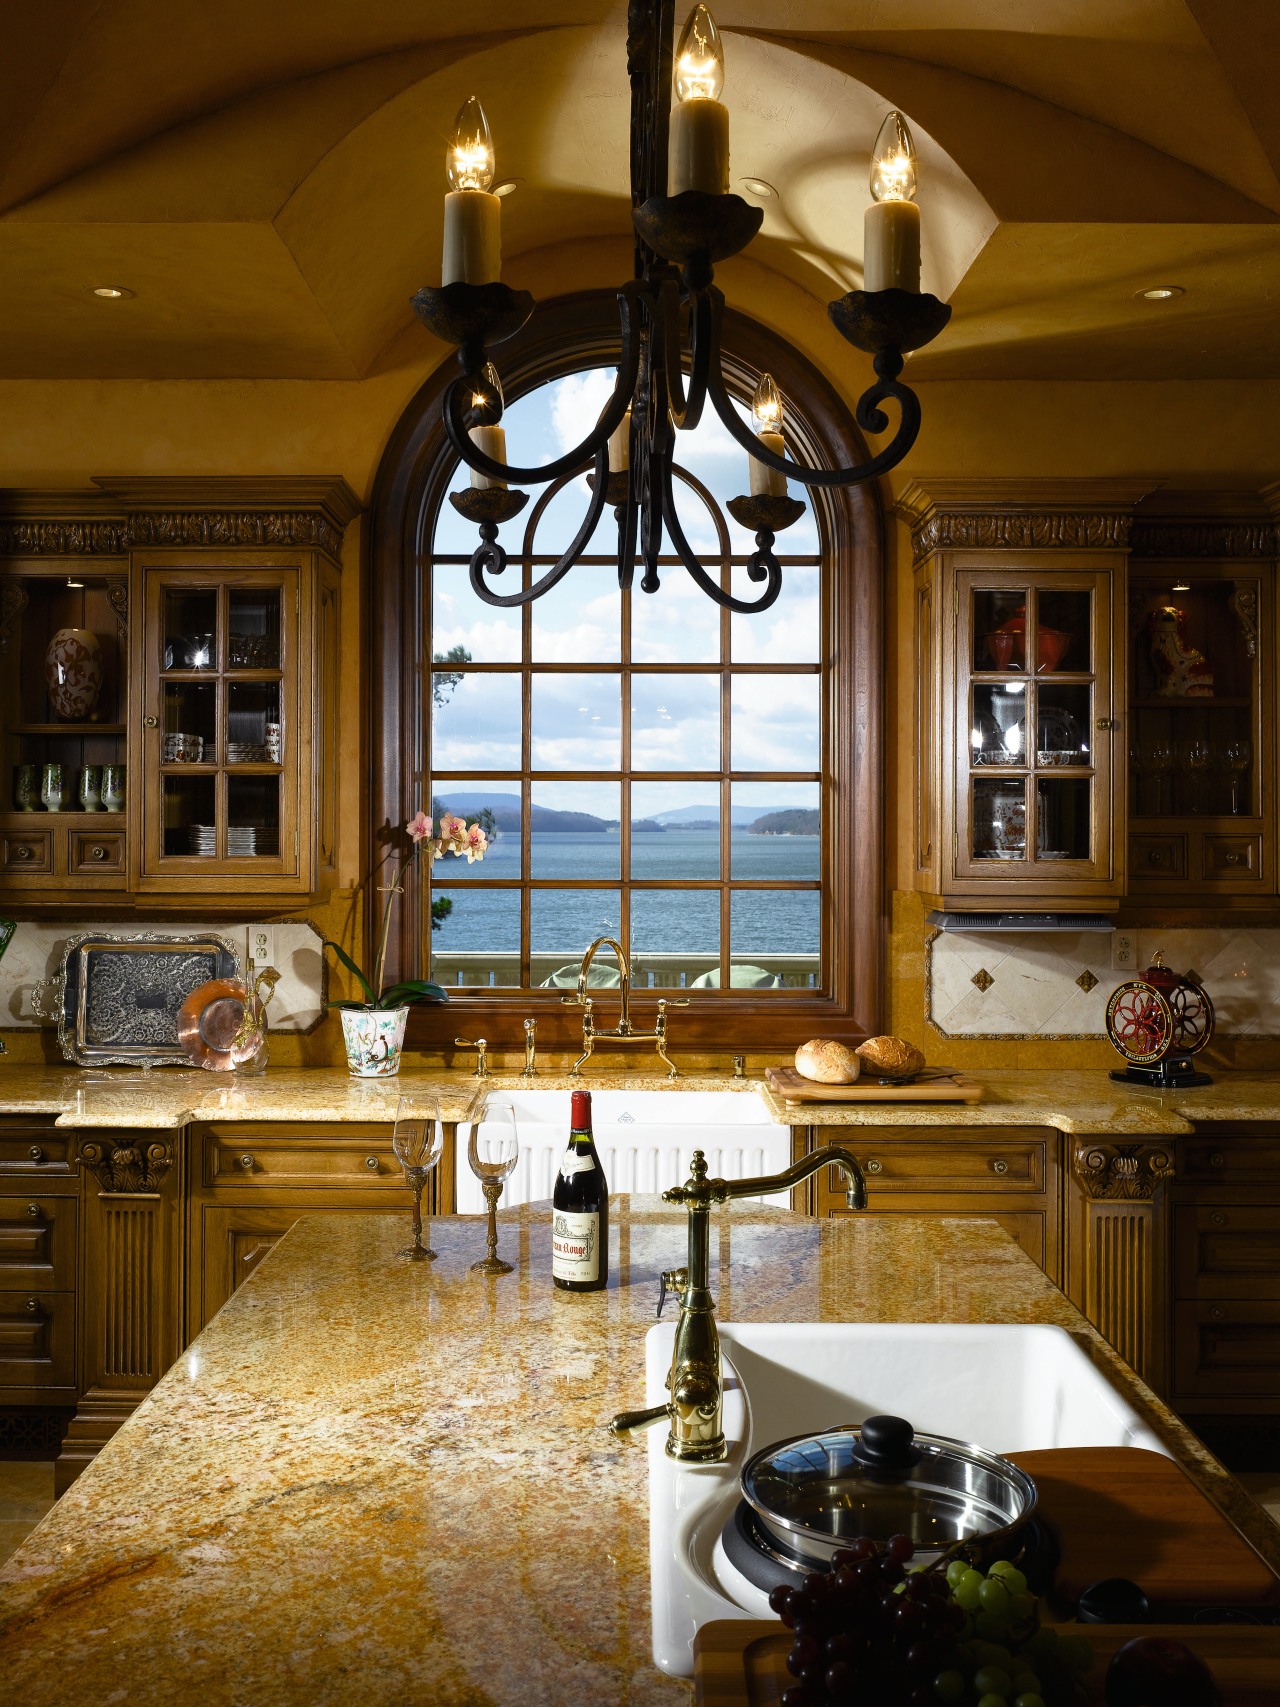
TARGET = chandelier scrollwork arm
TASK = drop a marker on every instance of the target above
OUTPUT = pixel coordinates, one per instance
(763, 566)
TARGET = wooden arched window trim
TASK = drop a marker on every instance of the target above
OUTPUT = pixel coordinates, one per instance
(565, 334)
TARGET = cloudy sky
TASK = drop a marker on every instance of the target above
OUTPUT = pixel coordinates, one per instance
(577, 715)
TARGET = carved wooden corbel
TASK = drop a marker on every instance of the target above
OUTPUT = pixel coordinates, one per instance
(124, 1165)
(1129, 1172)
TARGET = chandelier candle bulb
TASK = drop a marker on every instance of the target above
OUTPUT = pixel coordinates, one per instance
(472, 215)
(488, 436)
(891, 225)
(766, 410)
(699, 158)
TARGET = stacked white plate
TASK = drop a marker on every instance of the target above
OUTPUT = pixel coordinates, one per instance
(203, 839)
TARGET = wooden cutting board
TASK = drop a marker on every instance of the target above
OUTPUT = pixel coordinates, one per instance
(741, 1662)
(1118, 1511)
(935, 1084)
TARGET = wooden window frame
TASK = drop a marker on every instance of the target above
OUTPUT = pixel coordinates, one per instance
(563, 336)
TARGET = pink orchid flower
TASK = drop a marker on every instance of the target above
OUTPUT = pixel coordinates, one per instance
(419, 827)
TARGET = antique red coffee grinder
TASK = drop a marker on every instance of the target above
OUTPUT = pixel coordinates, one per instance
(1157, 1023)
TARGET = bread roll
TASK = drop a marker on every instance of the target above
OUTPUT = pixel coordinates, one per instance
(890, 1057)
(827, 1062)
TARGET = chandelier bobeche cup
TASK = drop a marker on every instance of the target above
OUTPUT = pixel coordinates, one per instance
(670, 319)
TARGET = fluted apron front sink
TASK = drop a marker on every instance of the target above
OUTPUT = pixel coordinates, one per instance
(1009, 1389)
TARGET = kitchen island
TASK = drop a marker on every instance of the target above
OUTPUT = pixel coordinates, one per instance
(370, 1481)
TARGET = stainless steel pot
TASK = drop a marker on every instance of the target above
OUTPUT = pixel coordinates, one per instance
(816, 1493)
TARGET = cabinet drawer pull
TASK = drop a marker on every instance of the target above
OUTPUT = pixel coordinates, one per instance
(1215, 1315)
(999, 1166)
(1231, 859)
(246, 1162)
(371, 1162)
(33, 1306)
(35, 1153)
(875, 1167)
(1217, 1160)
(150, 722)
(1218, 1219)
(23, 850)
(1155, 856)
(1106, 723)
(98, 852)
(33, 1210)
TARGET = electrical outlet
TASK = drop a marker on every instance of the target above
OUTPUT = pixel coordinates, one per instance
(1124, 951)
(262, 945)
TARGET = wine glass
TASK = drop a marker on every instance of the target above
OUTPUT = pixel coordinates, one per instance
(492, 1152)
(417, 1139)
(1198, 755)
(1239, 757)
(1160, 763)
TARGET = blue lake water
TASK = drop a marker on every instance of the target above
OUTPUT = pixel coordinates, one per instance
(662, 922)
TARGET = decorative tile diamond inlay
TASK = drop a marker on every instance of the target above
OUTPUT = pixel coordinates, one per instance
(1086, 980)
(982, 978)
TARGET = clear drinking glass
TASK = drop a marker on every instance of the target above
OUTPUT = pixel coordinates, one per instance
(1239, 756)
(417, 1139)
(492, 1151)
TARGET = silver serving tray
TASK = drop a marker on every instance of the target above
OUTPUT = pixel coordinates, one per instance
(120, 994)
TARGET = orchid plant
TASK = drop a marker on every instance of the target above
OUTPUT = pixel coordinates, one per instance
(448, 835)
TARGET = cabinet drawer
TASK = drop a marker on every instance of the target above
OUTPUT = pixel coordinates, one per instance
(1226, 1350)
(1226, 1160)
(26, 850)
(37, 1339)
(994, 1164)
(37, 1243)
(91, 853)
(1226, 1250)
(1237, 859)
(35, 1153)
(1157, 856)
(264, 1161)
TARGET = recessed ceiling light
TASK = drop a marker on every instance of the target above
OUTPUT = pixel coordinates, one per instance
(1180, 587)
(758, 187)
(75, 583)
(111, 290)
(506, 187)
(1160, 293)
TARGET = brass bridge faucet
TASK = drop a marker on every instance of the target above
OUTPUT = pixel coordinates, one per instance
(624, 1031)
(694, 1381)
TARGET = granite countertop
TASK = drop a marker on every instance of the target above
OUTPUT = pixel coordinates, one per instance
(1085, 1101)
(370, 1481)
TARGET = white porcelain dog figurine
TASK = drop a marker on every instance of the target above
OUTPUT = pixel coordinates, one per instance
(1181, 671)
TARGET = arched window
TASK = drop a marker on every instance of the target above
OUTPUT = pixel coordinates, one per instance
(701, 784)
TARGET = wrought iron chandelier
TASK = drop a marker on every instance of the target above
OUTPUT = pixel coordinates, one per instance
(670, 316)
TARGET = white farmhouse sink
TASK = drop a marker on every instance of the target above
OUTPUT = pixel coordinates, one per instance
(1009, 1389)
(645, 1140)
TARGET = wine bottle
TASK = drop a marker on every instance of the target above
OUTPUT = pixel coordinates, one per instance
(580, 1209)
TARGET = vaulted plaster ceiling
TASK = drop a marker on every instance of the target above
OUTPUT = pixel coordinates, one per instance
(268, 178)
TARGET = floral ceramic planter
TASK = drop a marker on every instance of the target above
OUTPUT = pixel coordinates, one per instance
(73, 674)
(374, 1039)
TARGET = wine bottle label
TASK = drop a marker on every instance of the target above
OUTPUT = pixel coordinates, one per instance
(575, 1246)
(574, 1163)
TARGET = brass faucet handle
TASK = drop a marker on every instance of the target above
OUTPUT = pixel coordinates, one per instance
(671, 1280)
(665, 1002)
(573, 1001)
(481, 1047)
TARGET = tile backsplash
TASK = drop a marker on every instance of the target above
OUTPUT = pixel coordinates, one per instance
(36, 950)
(1056, 984)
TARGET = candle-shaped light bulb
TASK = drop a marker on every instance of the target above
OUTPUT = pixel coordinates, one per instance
(699, 59)
(893, 162)
(487, 405)
(469, 157)
(891, 227)
(472, 215)
(699, 150)
(766, 410)
(766, 406)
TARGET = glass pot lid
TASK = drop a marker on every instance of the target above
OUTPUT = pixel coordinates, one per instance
(818, 1492)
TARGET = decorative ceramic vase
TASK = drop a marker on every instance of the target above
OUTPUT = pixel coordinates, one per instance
(73, 674)
(26, 787)
(91, 788)
(113, 788)
(374, 1038)
(51, 788)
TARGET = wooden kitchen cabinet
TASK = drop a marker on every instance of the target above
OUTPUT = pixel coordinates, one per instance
(1006, 1174)
(216, 605)
(39, 1256)
(1019, 684)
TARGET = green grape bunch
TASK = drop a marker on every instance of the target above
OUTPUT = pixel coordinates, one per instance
(877, 1631)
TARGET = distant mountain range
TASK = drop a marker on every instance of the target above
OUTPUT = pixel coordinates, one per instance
(798, 820)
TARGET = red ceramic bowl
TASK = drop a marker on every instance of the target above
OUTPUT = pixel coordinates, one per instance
(1051, 648)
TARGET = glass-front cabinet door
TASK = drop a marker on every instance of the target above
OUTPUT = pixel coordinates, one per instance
(1033, 729)
(220, 725)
